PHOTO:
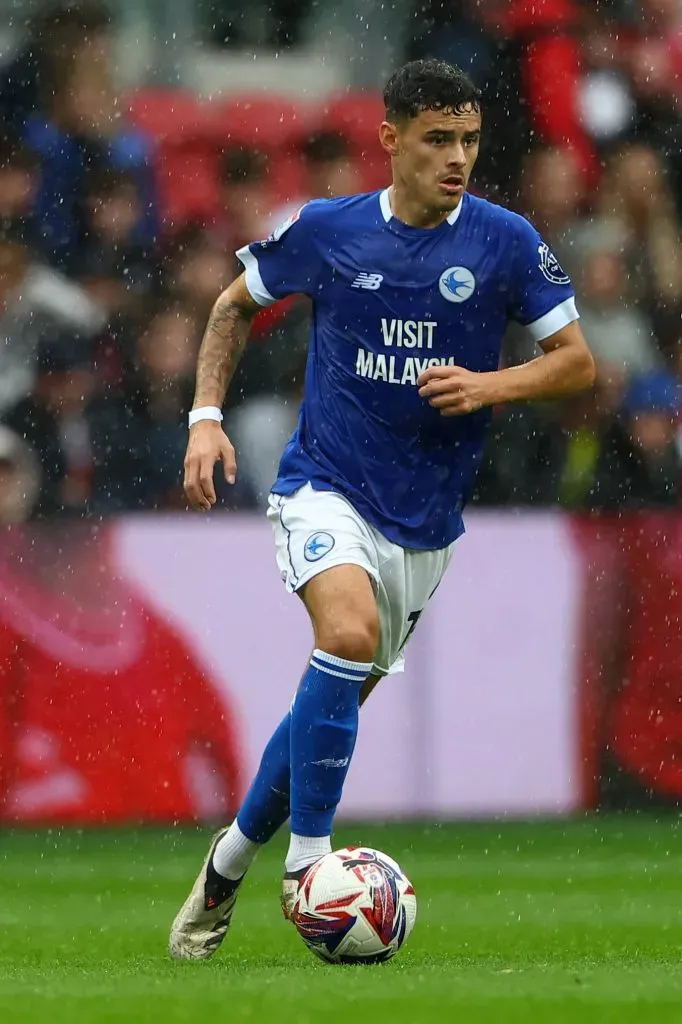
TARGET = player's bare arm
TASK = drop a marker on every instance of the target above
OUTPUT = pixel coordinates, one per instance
(565, 368)
(221, 348)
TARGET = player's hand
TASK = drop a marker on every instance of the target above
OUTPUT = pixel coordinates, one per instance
(455, 391)
(208, 443)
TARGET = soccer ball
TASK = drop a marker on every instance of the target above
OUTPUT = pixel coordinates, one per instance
(355, 906)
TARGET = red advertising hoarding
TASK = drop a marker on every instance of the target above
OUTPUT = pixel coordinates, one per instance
(145, 662)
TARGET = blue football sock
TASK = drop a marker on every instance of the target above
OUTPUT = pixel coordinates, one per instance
(324, 726)
(266, 805)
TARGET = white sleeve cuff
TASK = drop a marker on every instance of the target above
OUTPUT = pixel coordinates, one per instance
(254, 282)
(561, 316)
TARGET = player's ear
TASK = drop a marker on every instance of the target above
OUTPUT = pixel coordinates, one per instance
(388, 137)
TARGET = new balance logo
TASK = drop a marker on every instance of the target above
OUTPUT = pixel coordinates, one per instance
(369, 281)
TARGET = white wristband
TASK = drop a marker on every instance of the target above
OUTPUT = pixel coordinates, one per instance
(207, 412)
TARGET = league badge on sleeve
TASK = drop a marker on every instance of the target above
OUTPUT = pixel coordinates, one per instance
(550, 266)
(282, 228)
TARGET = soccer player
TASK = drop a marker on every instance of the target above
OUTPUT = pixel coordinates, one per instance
(412, 288)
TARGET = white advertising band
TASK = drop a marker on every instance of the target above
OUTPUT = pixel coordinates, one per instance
(208, 412)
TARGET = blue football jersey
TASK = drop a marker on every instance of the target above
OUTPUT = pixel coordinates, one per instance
(390, 300)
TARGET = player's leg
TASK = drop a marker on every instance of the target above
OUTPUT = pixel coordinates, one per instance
(204, 918)
(266, 805)
(324, 716)
(402, 587)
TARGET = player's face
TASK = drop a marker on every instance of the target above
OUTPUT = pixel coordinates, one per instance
(433, 155)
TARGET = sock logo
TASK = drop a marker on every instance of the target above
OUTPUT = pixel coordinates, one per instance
(332, 762)
(317, 546)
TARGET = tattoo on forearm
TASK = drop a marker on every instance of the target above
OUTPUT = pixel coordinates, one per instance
(221, 347)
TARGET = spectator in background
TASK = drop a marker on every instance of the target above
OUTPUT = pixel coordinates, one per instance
(330, 171)
(652, 51)
(456, 32)
(554, 198)
(267, 385)
(551, 71)
(621, 335)
(475, 36)
(329, 166)
(269, 390)
(197, 270)
(51, 36)
(77, 124)
(636, 213)
(247, 215)
(263, 408)
(655, 56)
(35, 301)
(581, 432)
(519, 465)
(656, 68)
(244, 199)
(261, 428)
(549, 455)
(158, 394)
(20, 478)
(19, 179)
(117, 270)
(605, 93)
(640, 463)
(87, 452)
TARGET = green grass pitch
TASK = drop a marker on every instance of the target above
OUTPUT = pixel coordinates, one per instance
(545, 923)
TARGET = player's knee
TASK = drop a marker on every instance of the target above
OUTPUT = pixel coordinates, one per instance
(353, 640)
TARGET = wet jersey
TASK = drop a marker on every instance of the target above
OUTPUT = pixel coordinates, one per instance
(390, 300)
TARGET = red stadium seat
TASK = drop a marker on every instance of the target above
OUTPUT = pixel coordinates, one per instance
(190, 134)
(186, 158)
(167, 114)
(188, 184)
(266, 121)
(356, 114)
(287, 176)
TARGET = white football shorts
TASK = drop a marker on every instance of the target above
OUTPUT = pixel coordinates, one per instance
(315, 530)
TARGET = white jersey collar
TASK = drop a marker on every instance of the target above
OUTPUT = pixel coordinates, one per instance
(387, 212)
(385, 204)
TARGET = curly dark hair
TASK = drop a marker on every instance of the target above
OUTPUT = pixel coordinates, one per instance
(429, 85)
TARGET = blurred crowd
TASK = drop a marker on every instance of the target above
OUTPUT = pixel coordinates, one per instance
(119, 217)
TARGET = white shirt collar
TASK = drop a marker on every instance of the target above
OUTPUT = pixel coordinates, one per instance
(385, 203)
